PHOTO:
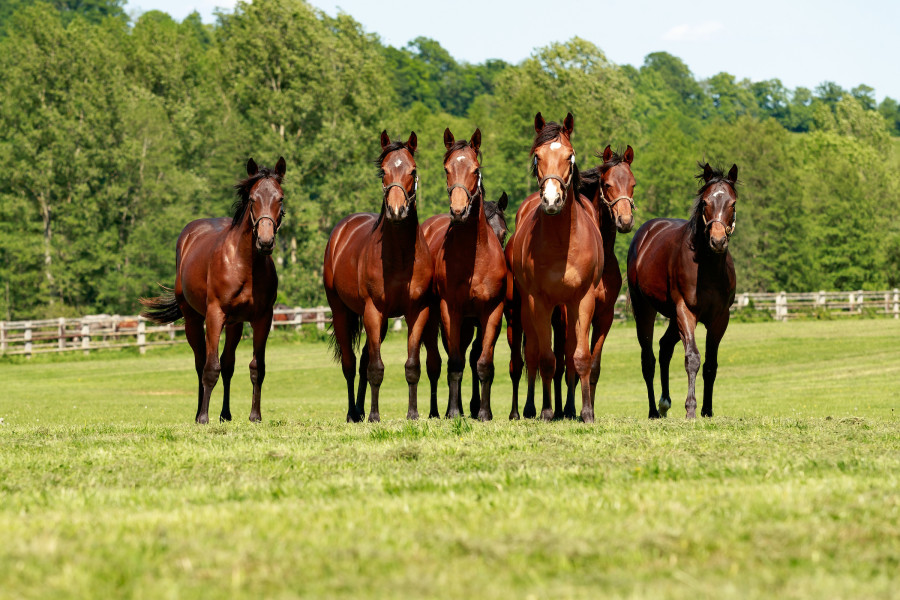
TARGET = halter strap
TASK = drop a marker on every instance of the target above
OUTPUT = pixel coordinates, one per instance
(406, 196)
(470, 195)
(728, 229)
(255, 222)
(565, 184)
(612, 204)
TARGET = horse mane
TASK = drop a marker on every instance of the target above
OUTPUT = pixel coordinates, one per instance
(242, 189)
(718, 176)
(392, 147)
(590, 179)
(553, 131)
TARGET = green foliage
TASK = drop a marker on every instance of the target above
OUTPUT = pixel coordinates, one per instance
(116, 136)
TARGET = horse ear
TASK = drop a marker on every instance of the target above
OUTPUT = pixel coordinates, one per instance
(569, 125)
(707, 172)
(252, 169)
(475, 142)
(413, 142)
(629, 154)
(732, 174)
(503, 201)
(280, 166)
(539, 123)
(607, 154)
(385, 139)
(448, 138)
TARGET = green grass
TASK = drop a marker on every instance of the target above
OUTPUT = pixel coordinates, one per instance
(107, 489)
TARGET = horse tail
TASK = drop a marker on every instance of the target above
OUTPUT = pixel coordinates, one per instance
(162, 309)
(354, 328)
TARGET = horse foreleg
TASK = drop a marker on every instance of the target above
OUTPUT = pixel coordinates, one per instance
(489, 332)
(666, 348)
(416, 322)
(452, 322)
(232, 338)
(432, 360)
(558, 323)
(714, 335)
(687, 323)
(581, 357)
(468, 332)
(372, 321)
(514, 339)
(603, 318)
(543, 341)
(261, 328)
(215, 320)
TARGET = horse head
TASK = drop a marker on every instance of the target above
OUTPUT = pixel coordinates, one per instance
(553, 162)
(716, 206)
(463, 174)
(399, 181)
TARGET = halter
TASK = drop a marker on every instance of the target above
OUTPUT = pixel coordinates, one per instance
(728, 229)
(255, 222)
(406, 196)
(612, 205)
(565, 184)
(469, 195)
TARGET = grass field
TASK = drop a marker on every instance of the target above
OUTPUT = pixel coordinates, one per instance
(108, 489)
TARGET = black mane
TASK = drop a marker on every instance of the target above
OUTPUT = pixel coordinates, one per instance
(553, 131)
(718, 176)
(242, 189)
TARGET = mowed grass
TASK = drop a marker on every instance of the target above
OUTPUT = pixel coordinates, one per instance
(108, 489)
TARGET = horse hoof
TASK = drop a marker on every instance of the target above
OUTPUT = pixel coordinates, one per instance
(223, 417)
(353, 418)
(570, 414)
(485, 415)
(708, 414)
(374, 417)
(202, 419)
(690, 416)
(412, 415)
(664, 405)
(529, 413)
(587, 416)
(654, 414)
(547, 415)
(434, 415)
(255, 417)
(514, 416)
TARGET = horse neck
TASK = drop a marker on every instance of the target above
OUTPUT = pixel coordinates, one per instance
(240, 237)
(402, 234)
(607, 223)
(476, 226)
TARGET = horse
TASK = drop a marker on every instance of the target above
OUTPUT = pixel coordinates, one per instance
(378, 266)
(682, 270)
(556, 254)
(469, 278)
(224, 277)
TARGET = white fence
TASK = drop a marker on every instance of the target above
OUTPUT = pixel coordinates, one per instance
(105, 331)
(114, 331)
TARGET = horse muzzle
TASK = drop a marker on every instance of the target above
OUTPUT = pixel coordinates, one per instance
(624, 223)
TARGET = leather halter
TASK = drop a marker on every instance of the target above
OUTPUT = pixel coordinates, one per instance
(469, 195)
(728, 229)
(255, 222)
(407, 197)
(612, 205)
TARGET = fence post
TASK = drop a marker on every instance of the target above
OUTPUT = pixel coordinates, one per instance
(860, 301)
(142, 335)
(781, 309)
(3, 343)
(822, 299)
(62, 333)
(86, 338)
(320, 318)
(896, 303)
(851, 303)
(745, 300)
(887, 303)
(172, 331)
(28, 339)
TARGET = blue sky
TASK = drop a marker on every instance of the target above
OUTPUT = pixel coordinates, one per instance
(803, 43)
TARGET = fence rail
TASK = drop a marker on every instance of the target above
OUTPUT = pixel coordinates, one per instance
(114, 331)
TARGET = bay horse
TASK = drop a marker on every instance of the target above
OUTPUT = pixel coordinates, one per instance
(469, 278)
(610, 187)
(378, 266)
(224, 277)
(556, 255)
(682, 270)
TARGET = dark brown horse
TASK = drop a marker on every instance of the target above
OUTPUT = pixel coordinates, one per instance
(682, 270)
(610, 187)
(469, 277)
(378, 266)
(224, 276)
(556, 254)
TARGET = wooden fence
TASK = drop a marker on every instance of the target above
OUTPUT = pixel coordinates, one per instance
(114, 331)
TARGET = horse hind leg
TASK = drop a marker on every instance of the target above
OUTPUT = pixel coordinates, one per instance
(193, 329)
(644, 317)
(714, 335)
(432, 361)
(344, 328)
(558, 323)
(474, 354)
(666, 349)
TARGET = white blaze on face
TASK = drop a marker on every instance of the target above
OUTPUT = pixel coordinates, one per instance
(460, 158)
(555, 146)
(398, 163)
(551, 189)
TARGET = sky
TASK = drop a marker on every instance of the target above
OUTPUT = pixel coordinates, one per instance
(800, 42)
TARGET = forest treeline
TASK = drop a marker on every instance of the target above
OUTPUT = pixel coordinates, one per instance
(114, 134)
